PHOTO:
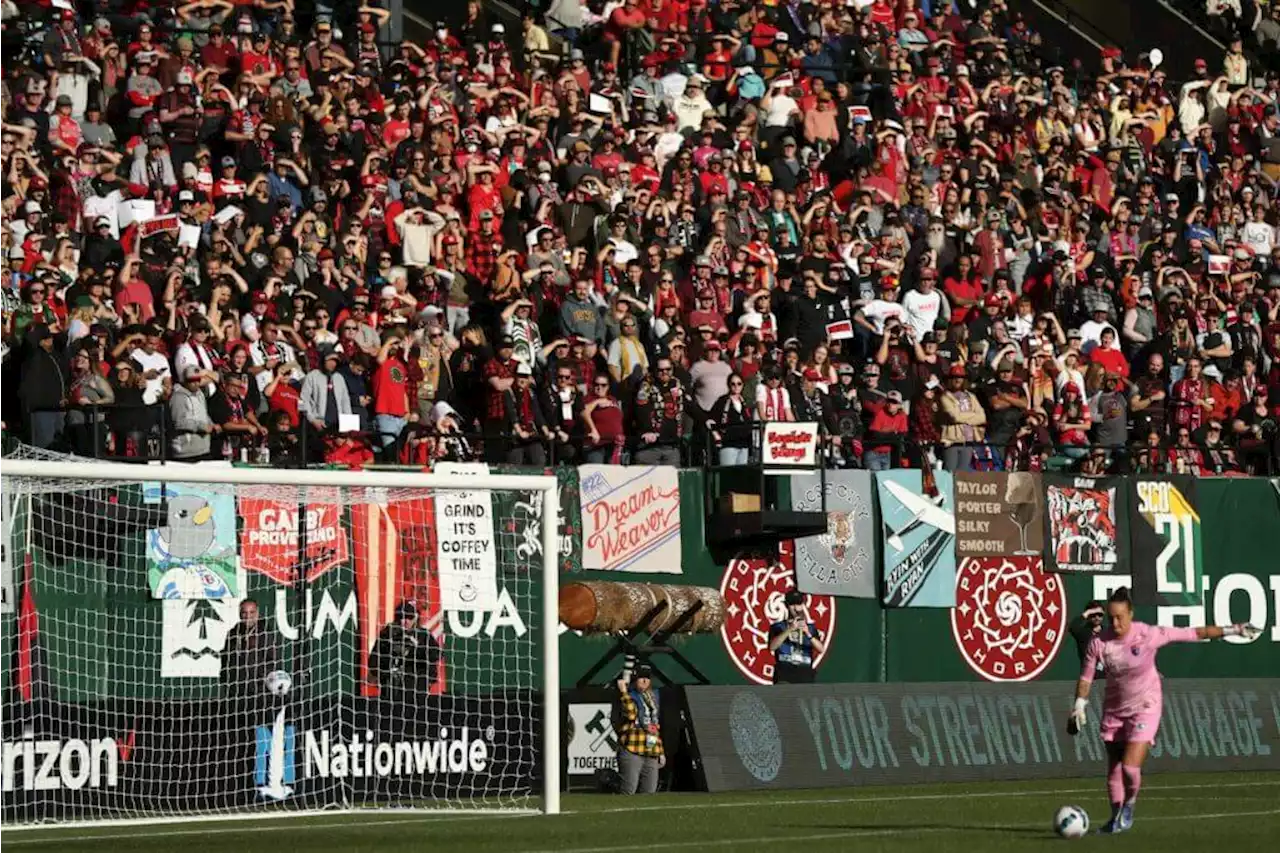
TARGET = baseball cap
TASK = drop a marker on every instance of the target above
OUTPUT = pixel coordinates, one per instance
(388, 292)
(712, 344)
(228, 162)
(811, 375)
(523, 369)
(506, 342)
(894, 396)
(186, 195)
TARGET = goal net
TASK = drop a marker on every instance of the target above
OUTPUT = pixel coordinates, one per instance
(194, 641)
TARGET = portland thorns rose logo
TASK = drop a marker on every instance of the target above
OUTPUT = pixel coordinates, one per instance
(1010, 616)
(753, 589)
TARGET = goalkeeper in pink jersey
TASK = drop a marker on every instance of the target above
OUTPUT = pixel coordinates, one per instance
(1126, 651)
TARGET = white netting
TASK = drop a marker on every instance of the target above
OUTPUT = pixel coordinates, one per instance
(138, 683)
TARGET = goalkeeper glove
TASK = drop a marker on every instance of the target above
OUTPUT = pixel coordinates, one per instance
(1249, 632)
(1078, 719)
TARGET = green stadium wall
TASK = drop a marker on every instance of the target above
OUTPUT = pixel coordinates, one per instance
(100, 632)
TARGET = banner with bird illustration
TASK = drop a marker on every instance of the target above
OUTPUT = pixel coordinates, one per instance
(917, 510)
(192, 553)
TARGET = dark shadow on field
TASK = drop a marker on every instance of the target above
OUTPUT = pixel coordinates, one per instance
(995, 829)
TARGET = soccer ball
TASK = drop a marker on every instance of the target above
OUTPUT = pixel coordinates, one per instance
(1071, 822)
(278, 682)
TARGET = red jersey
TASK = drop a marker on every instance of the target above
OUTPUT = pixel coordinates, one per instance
(390, 394)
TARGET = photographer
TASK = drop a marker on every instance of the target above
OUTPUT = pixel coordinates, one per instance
(1085, 627)
(640, 752)
(795, 642)
(405, 658)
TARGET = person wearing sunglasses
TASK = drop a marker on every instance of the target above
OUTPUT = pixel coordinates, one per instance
(658, 416)
(731, 422)
(562, 407)
(605, 440)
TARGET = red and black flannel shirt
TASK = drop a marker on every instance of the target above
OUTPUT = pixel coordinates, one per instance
(494, 409)
(482, 256)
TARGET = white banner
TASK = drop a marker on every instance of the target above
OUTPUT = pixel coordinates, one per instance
(789, 445)
(592, 742)
(466, 553)
(631, 518)
(194, 635)
(8, 589)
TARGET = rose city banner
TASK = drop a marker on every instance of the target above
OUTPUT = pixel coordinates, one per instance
(269, 535)
(919, 557)
(193, 553)
(829, 735)
(844, 559)
(1165, 538)
(1082, 523)
(630, 518)
(998, 514)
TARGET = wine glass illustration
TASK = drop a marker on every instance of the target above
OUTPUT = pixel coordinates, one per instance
(1020, 494)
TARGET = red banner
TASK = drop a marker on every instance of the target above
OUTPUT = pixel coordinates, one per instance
(269, 538)
(395, 553)
(161, 224)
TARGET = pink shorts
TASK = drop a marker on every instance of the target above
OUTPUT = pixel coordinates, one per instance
(1132, 728)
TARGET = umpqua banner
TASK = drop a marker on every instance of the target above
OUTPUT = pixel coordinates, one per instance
(919, 557)
(843, 560)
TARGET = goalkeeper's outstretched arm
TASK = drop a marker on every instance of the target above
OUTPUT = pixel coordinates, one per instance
(1213, 632)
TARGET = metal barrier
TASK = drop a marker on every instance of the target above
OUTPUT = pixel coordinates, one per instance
(105, 435)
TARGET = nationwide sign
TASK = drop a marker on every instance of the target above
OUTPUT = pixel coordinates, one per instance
(817, 736)
(362, 755)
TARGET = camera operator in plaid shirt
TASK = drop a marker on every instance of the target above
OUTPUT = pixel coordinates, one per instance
(640, 752)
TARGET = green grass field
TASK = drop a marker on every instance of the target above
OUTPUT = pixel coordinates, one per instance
(1176, 812)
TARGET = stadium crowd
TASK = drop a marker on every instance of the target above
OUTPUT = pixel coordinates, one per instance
(631, 233)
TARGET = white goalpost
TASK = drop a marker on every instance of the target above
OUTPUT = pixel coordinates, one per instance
(205, 642)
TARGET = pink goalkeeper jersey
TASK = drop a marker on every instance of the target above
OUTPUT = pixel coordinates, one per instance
(1129, 662)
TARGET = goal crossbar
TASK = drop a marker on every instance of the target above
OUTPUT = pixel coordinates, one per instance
(544, 485)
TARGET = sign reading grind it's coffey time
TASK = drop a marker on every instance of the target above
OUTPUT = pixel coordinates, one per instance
(808, 736)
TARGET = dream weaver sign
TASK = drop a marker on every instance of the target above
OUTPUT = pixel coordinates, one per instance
(630, 518)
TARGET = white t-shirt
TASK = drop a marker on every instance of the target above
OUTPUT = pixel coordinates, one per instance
(921, 310)
(1259, 236)
(160, 364)
(1091, 335)
(775, 403)
(780, 110)
(877, 311)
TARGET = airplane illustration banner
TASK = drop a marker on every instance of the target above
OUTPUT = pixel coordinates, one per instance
(919, 556)
(1082, 524)
(843, 560)
(998, 514)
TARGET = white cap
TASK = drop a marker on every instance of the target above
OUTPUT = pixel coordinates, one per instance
(388, 292)
(497, 29)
